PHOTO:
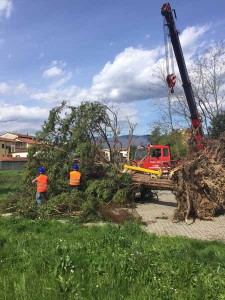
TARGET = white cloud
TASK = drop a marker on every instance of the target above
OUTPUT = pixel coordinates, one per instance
(6, 7)
(4, 88)
(191, 37)
(55, 96)
(20, 113)
(13, 88)
(58, 73)
(56, 84)
(130, 77)
(52, 72)
(127, 81)
(21, 118)
(127, 77)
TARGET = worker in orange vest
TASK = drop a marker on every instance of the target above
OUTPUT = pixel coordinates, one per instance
(42, 185)
(75, 177)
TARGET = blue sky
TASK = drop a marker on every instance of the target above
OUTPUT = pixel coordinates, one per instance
(82, 50)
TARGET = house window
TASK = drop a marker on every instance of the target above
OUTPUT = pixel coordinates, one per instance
(3, 146)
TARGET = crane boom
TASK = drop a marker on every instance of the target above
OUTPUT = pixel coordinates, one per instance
(167, 13)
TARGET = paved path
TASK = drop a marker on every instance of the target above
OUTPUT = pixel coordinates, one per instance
(159, 214)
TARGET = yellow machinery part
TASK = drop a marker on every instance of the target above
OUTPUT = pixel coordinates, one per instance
(158, 172)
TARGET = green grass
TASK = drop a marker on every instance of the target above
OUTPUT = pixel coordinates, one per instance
(9, 183)
(50, 260)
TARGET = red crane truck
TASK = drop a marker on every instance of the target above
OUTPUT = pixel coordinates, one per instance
(197, 133)
(158, 156)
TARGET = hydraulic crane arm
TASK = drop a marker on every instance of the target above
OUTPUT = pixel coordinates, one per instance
(167, 13)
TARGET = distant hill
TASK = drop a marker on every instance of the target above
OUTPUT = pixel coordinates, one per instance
(138, 140)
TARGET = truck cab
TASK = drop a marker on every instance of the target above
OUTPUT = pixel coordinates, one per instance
(153, 157)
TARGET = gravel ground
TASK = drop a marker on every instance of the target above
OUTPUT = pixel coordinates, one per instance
(158, 216)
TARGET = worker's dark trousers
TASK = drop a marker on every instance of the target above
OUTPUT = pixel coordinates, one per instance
(38, 197)
(73, 187)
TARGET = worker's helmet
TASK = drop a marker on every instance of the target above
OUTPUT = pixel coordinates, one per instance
(75, 167)
(41, 170)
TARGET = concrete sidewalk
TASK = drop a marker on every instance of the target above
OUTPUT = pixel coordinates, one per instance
(159, 215)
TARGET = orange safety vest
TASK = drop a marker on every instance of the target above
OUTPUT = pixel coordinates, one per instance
(42, 183)
(75, 178)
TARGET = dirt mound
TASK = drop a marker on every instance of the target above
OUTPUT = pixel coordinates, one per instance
(119, 215)
(200, 183)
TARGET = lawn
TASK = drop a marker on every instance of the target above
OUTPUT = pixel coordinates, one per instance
(9, 183)
(50, 260)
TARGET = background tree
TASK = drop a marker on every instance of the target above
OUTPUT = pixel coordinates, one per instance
(208, 80)
(217, 125)
(175, 139)
(130, 148)
(155, 135)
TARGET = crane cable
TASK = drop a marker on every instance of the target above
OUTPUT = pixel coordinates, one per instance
(171, 78)
(171, 55)
(165, 30)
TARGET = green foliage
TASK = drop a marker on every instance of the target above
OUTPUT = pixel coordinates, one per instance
(86, 154)
(82, 204)
(122, 196)
(125, 179)
(62, 205)
(102, 189)
(217, 125)
(155, 136)
(174, 139)
(132, 151)
(66, 261)
(71, 134)
(90, 210)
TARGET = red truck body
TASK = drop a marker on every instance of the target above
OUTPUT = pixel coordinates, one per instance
(153, 157)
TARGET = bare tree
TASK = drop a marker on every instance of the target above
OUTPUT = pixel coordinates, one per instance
(131, 131)
(208, 82)
(174, 111)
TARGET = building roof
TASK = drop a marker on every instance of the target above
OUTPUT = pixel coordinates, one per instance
(17, 137)
(13, 159)
(25, 140)
(6, 140)
(22, 135)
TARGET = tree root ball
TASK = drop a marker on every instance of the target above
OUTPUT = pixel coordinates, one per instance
(200, 184)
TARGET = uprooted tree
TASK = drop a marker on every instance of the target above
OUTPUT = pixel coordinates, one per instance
(200, 183)
(76, 135)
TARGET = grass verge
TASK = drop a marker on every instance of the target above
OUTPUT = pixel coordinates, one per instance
(50, 260)
(9, 183)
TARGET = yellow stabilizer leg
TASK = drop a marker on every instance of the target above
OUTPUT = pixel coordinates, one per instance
(158, 172)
